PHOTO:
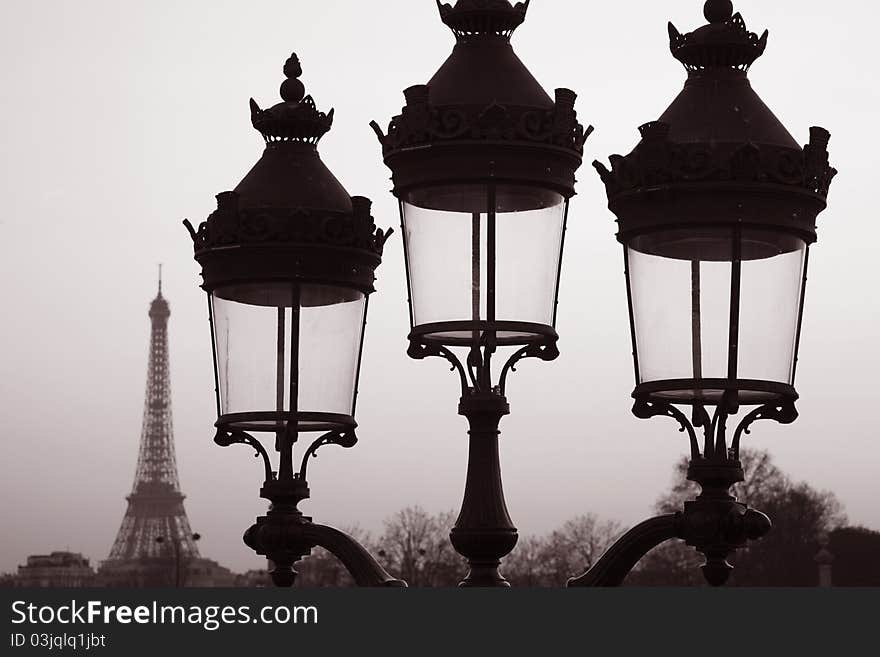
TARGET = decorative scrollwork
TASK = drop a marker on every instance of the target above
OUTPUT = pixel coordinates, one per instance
(225, 438)
(346, 439)
(645, 409)
(728, 44)
(420, 351)
(475, 374)
(784, 413)
(715, 429)
(421, 123)
(546, 351)
(658, 160)
(470, 17)
(231, 224)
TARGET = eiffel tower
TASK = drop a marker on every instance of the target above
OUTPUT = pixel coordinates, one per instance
(154, 541)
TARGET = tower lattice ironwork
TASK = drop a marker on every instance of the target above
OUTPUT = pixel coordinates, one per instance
(155, 505)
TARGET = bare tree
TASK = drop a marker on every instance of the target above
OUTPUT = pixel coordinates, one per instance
(566, 552)
(573, 548)
(415, 547)
(525, 567)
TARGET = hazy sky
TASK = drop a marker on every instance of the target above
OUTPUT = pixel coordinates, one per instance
(121, 118)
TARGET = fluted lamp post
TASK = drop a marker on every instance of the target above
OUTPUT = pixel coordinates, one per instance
(483, 164)
(288, 261)
(716, 210)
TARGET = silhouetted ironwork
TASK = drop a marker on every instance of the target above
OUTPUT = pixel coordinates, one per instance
(480, 143)
(715, 523)
(717, 184)
(290, 240)
(482, 157)
(155, 505)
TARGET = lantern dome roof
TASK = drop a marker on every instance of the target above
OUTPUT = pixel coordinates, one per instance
(483, 67)
(290, 218)
(290, 174)
(483, 115)
(728, 109)
(719, 144)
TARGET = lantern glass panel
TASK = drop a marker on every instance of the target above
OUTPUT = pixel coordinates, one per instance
(329, 350)
(467, 263)
(771, 296)
(683, 294)
(265, 332)
(681, 309)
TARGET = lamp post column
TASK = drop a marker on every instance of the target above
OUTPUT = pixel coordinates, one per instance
(484, 532)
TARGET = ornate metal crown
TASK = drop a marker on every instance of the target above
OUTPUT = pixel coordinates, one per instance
(422, 123)
(483, 17)
(659, 161)
(232, 225)
(724, 43)
(295, 119)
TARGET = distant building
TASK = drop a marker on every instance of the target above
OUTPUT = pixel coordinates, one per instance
(165, 573)
(205, 573)
(254, 579)
(55, 570)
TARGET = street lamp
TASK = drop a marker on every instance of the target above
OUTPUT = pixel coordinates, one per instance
(716, 209)
(288, 262)
(176, 544)
(483, 164)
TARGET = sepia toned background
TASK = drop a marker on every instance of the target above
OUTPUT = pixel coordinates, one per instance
(120, 119)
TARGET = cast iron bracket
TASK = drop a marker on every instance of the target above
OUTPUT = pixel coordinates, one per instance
(285, 536)
(715, 523)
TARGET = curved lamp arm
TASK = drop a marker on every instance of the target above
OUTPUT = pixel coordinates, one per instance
(617, 562)
(365, 570)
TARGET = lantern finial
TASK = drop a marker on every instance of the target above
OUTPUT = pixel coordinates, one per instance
(725, 43)
(296, 118)
(718, 11)
(473, 18)
(292, 89)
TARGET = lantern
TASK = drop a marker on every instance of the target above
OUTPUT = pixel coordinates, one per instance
(483, 164)
(717, 209)
(288, 261)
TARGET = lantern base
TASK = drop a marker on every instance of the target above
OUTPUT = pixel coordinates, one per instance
(275, 421)
(712, 392)
(465, 333)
